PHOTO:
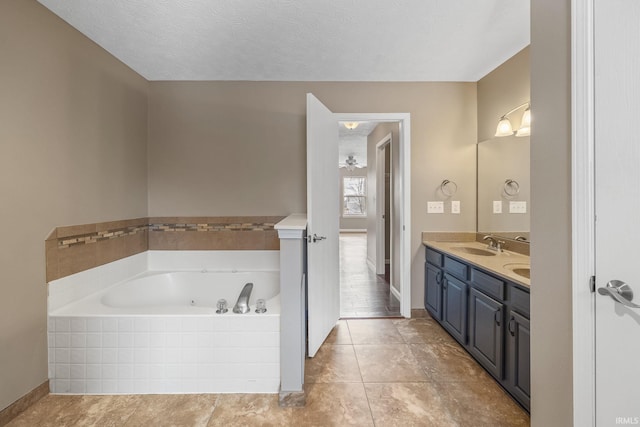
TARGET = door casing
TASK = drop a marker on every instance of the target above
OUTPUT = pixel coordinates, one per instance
(404, 145)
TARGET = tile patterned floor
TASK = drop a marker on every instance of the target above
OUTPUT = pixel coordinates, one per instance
(363, 294)
(369, 372)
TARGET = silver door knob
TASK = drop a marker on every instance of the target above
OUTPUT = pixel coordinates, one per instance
(619, 291)
(315, 238)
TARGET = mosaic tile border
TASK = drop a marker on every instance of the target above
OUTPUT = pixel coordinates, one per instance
(206, 227)
(75, 248)
(99, 236)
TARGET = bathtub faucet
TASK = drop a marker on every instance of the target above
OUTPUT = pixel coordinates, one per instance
(242, 305)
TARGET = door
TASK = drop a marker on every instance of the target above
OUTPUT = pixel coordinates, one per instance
(454, 307)
(486, 331)
(433, 290)
(520, 358)
(617, 227)
(323, 209)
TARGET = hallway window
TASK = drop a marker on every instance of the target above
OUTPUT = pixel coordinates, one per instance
(354, 196)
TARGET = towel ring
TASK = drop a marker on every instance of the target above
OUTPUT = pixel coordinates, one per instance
(448, 188)
(511, 187)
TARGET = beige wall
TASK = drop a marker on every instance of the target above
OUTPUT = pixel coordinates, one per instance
(551, 326)
(238, 148)
(502, 158)
(395, 224)
(73, 131)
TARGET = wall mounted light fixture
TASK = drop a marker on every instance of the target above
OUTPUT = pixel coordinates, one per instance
(351, 125)
(504, 125)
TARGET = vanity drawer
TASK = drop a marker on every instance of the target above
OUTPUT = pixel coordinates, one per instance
(490, 285)
(456, 268)
(520, 300)
(434, 257)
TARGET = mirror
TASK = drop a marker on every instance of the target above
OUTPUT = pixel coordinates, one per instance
(504, 181)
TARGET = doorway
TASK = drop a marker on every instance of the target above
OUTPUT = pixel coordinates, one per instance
(366, 220)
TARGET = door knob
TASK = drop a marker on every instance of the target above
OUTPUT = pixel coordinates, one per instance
(619, 291)
(315, 238)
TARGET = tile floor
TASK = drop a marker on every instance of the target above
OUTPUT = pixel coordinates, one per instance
(362, 293)
(369, 372)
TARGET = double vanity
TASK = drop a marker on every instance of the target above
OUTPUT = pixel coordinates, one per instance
(479, 293)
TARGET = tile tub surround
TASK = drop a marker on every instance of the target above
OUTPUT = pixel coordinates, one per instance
(206, 353)
(72, 249)
(75, 248)
(214, 233)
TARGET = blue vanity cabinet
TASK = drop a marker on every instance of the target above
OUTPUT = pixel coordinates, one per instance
(454, 311)
(433, 281)
(486, 313)
(519, 376)
(433, 290)
(486, 331)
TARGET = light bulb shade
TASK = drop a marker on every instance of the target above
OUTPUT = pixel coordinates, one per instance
(526, 118)
(351, 125)
(504, 127)
(525, 124)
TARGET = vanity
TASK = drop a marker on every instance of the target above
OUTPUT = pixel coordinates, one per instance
(481, 297)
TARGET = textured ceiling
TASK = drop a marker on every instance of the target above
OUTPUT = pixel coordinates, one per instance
(304, 40)
(354, 142)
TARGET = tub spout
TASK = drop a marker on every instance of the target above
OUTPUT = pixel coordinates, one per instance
(242, 305)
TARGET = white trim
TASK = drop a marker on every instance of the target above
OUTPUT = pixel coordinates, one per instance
(380, 202)
(353, 230)
(404, 142)
(395, 293)
(583, 211)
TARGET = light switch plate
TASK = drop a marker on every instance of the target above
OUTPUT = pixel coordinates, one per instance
(519, 207)
(435, 207)
(455, 206)
(497, 206)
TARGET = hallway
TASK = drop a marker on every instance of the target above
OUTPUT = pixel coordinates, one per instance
(363, 294)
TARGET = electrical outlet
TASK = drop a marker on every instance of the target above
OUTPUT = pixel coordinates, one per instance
(455, 206)
(518, 207)
(497, 206)
(435, 207)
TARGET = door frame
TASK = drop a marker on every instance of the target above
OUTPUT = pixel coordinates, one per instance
(404, 145)
(583, 210)
(380, 205)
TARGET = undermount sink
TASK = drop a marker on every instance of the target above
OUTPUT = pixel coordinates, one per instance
(474, 251)
(523, 270)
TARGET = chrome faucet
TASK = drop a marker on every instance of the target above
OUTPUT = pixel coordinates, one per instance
(494, 244)
(242, 305)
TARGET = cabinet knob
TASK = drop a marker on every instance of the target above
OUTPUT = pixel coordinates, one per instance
(512, 326)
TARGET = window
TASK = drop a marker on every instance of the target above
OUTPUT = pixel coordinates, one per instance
(354, 196)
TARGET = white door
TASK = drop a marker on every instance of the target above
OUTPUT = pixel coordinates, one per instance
(323, 292)
(617, 170)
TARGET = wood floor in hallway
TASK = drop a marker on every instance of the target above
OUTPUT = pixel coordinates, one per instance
(363, 294)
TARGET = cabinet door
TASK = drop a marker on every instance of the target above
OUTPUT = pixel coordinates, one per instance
(519, 355)
(455, 312)
(433, 291)
(486, 331)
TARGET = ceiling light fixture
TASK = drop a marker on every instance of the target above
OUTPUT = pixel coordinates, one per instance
(504, 125)
(351, 125)
(351, 163)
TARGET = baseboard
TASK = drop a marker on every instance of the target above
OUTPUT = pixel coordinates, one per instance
(353, 230)
(395, 292)
(372, 265)
(20, 405)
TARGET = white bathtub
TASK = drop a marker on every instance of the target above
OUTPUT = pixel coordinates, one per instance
(178, 293)
(158, 331)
